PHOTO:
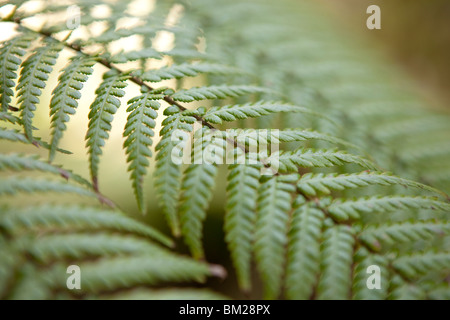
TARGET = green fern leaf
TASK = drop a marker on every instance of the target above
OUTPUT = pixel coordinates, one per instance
(303, 265)
(56, 247)
(289, 161)
(178, 71)
(274, 205)
(313, 184)
(18, 162)
(419, 264)
(145, 269)
(73, 218)
(242, 187)
(351, 209)
(216, 92)
(10, 57)
(167, 173)
(217, 115)
(403, 290)
(361, 275)
(138, 133)
(5, 116)
(34, 74)
(16, 136)
(337, 256)
(101, 115)
(146, 53)
(64, 100)
(196, 187)
(404, 232)
(14, 185)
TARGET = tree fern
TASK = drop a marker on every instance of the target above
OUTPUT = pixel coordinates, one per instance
(194, 201)
(351, 209)
(242, 188)
(313, 225)
(179, 71)
(100, 117)
(303, 265)
(217, 115)
(64, 101)
(215, 92)
(167, 173)
(274, 204)
(11, 54)
(34, 73)
(139, 133)
(337, 251)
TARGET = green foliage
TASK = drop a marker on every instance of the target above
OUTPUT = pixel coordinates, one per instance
(313, 227)
(67, 92)
(168, 173)
(271, 230)
(217, 115)
(196, 193)
(215, 92)
(303, 266)
(138, 133)
(34, 73)
(240, 218)
(101, 115)
(337, 257)
(179, 71)
(10, 55)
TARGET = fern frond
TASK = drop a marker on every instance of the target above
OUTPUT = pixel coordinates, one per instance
(139, 133)
(402, 290)
(18, 162)
(337, 256)
(34, 74)
(289, 161)
(303, 264)
(144, 269)
(14, 185)
(167, 173)
(290, 135)
(414, 266)
(15, 135)
(216, 115)
(216, 92)
(178, 71)
(364, 260)
(242, 188)
(101, 115)
(5, 116)
(10, 57)
(351, 209)
(404, 232)
(274, 206)
(146, 53)
(50, 248)
(73, 218)
(313, 184)
(196, 193)
(64, 100)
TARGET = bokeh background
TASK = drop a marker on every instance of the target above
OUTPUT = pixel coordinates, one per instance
(415, 34)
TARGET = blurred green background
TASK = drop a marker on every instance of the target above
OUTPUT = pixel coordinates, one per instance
(414, 33)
